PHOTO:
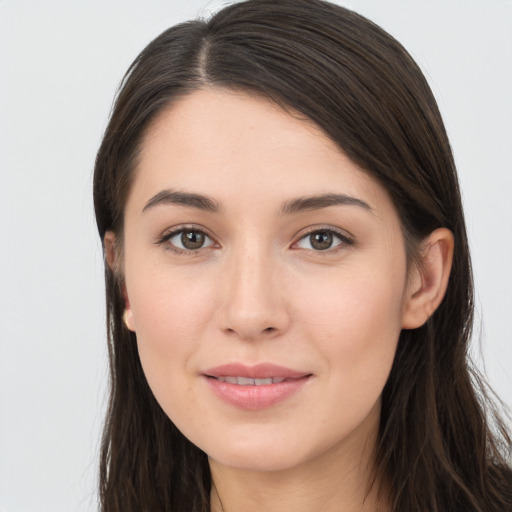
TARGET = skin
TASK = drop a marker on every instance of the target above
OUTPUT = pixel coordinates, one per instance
(258, 290)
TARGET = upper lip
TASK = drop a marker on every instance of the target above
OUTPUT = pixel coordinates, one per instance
(258, 371)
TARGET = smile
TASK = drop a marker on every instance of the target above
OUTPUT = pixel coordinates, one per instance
(247, 381)
(255, 387)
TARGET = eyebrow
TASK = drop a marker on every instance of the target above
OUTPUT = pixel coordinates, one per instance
(197, 201)
(205, 203)
(322, 201)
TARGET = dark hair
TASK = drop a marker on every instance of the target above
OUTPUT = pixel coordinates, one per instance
(441, 447)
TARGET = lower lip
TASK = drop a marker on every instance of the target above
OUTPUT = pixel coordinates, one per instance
(256, 397)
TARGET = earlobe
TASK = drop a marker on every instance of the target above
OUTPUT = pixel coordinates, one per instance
(128, 313)
(427, 285)
(128, 319)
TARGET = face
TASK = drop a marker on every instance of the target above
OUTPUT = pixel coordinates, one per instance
(267, 282)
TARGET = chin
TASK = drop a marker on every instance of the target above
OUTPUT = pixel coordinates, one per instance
(261, 462)
(264, 456)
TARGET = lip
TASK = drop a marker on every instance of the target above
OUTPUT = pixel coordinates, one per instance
(259, 371)
(254, 397)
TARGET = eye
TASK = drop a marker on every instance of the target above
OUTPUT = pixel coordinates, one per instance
(187, 240)
(323, 240)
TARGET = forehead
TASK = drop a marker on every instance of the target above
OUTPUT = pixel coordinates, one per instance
(229, 144)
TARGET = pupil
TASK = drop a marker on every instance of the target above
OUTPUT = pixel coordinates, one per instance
(192, 239)
(321, 240)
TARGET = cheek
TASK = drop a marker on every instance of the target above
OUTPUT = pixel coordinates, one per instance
(166, 298)
(356, 321)
(170, 312)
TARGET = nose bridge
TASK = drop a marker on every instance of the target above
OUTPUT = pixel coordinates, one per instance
(253, 304)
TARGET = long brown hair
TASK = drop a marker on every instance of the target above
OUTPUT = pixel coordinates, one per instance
(441, 447)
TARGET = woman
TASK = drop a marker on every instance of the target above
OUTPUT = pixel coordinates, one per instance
(288, 280)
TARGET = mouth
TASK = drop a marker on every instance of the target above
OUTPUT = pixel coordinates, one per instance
(255, 387)
(259, 372)
(247, 381)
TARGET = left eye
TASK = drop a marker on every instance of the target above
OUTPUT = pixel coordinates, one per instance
(190, 240)
(321, 240)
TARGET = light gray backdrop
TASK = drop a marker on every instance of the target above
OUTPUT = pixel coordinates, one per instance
(60, 64)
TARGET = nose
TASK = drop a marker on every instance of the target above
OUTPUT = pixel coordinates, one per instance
(253, 304)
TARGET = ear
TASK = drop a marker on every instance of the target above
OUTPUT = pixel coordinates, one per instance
(429, 279)
(128, 317)
(111, 252)
(113, 257)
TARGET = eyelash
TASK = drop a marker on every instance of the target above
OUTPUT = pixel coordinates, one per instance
(166, 237)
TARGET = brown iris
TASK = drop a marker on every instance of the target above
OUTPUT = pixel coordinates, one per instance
(321, 240)
(192, 239)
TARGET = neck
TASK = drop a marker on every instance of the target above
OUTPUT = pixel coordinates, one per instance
(340, 479)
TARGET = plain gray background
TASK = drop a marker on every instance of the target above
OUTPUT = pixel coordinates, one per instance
(60, 64)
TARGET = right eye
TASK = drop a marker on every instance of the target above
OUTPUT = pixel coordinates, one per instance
(186, 240)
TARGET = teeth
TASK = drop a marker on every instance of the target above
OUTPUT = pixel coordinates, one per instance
(247, 381)
(259, 382)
